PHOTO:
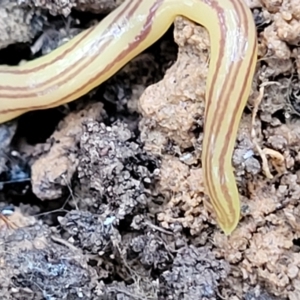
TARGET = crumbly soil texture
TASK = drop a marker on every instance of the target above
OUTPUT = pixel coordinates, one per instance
(103, 198)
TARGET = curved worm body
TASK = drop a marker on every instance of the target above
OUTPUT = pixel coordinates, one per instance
(99, 52)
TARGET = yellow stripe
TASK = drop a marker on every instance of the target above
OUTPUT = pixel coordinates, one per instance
(95, 55)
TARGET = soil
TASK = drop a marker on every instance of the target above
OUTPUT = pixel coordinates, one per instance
(103, 198)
